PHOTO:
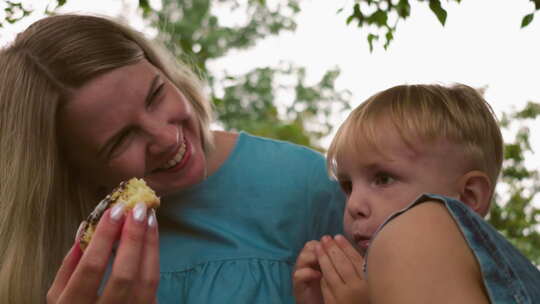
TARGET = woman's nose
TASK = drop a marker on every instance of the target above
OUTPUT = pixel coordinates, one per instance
(163, 138)
(358, 205)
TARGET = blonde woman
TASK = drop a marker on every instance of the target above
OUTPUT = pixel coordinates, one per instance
(86, 103)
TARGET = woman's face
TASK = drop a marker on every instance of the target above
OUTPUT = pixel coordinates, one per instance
(133, 122)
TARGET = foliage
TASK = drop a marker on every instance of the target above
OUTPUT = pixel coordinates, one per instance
(14, 11)
(270, 101)
(249, 103)
(514, 214)
(381, 17)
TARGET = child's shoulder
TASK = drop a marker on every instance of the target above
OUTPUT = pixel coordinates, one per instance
(424, 247)
(425, 229)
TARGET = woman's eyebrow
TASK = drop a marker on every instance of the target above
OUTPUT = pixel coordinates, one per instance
(117, 135)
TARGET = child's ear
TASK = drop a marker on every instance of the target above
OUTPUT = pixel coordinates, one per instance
(475, 191)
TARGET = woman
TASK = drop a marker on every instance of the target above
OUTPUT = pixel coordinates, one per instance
(86, 103)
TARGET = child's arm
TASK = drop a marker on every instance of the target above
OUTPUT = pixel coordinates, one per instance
(307, 276)
(341, 265)
(421, 257)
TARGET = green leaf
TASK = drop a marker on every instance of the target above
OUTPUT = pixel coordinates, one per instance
(145, 6)
(389, 38)
(357, 14)
(379, 17)
(536, 4)
(531, 111)
(371, 38)
(436, 8)
(61, 2)
(527, 19)
(403, 8)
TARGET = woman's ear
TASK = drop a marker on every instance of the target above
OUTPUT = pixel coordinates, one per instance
(475, 191)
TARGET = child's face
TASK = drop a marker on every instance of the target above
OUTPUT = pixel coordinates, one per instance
(379, 182)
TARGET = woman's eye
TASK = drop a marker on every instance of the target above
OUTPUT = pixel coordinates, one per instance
(157, 92)
(382, 179)
(120, 145)
(346, 186)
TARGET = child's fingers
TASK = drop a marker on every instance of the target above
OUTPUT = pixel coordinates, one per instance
(353, 255)
(64, 273)
(327, 292)
(308, 256)
(305, 275)
(340, 260)
(328, 270)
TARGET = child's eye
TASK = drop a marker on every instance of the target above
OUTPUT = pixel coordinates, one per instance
(383, 179)
(346, 186)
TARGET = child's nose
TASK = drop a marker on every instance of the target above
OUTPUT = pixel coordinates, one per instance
(358, 205)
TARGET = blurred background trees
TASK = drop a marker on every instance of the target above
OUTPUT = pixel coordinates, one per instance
(279, 102)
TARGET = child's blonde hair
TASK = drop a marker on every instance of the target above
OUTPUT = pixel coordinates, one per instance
(428, 112)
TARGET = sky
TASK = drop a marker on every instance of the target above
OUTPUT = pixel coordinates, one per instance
(481, 45)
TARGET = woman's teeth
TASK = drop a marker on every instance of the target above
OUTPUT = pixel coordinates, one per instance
(177, 158)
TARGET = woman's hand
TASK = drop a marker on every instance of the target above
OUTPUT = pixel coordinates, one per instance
(135, 272)
(341, 267)
(307, 276)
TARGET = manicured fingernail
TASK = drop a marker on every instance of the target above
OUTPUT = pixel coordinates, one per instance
(152, 218)
(325, 238)
(117, 211)
(139, 212)
(80, 230)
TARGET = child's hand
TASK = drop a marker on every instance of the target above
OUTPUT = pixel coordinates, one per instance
(341, 266)
(307, 276)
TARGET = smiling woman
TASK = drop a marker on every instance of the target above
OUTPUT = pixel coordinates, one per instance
(153, 135)
(87, 103)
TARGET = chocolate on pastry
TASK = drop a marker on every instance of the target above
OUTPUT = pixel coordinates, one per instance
(130, 192)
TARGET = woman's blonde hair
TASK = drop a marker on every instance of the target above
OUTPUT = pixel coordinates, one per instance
(41, 200)
(428, 112)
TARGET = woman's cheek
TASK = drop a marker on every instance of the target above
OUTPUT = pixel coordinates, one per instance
(130, 164)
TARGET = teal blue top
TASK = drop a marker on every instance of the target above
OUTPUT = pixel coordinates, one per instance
(234, 238)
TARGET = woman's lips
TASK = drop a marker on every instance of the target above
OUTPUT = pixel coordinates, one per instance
(178, 166)
(183, 162)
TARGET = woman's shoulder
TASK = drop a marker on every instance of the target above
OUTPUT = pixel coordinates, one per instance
(423, 256)
(279, 145)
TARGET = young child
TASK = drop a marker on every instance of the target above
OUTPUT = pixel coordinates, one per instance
(392, 150)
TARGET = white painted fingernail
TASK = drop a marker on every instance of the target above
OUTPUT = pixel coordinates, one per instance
(117, 211)
(139, 212)
(80, 230)
(152, 218)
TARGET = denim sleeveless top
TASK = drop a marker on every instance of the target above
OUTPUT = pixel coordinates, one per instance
(509, 277)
